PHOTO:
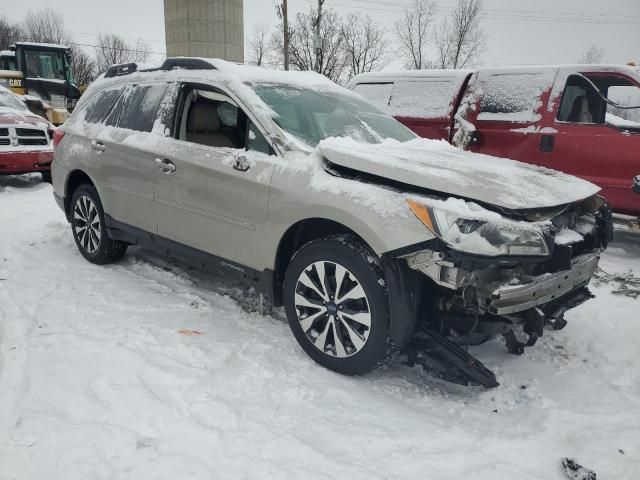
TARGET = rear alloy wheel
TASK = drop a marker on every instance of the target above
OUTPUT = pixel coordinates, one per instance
(336, 303)
(87, 225)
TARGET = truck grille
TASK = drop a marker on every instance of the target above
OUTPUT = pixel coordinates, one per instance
(30, 132)
(21, 136)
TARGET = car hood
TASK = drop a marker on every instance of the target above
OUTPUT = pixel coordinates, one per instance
(10, 116)
(437, 166)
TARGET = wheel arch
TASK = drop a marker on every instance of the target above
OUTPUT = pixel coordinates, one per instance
(299, 234)
(75, 178)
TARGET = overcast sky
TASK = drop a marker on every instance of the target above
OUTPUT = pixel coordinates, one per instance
(519, 32)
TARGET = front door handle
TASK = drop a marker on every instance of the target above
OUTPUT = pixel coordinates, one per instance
(241, 163)
(98, 146)
(166, 166)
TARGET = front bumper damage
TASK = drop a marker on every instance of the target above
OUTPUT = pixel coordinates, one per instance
(468, 299)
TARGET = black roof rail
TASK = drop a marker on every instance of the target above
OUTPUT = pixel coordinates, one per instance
(119, 70)
(185, 63)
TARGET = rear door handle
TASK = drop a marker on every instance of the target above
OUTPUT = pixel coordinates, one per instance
(98, 146)
(166, 166)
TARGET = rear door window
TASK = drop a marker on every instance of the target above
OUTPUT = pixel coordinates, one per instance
(138, 107)
(513, 97)
(101, 104)
(377, 94)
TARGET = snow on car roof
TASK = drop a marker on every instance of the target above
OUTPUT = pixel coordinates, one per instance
(8, 53)
(45, 45)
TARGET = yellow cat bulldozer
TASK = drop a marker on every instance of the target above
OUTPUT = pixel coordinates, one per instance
(41, 72)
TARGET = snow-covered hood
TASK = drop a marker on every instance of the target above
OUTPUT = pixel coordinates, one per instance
(11, 116)
(435, 165)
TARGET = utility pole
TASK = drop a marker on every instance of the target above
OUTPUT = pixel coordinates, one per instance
(285, 26)
(318, 42)
(281, 11)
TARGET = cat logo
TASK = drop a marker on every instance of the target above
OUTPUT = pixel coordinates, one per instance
(15, 82)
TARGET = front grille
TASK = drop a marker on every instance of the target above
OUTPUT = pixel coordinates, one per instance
(4, 132)
(32, 141)
(30, 132)
(4, 141)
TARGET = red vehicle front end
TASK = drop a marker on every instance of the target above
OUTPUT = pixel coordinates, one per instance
(25, 140)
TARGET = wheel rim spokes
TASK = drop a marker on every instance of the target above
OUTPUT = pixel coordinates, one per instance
(86, 224)
(333, 309)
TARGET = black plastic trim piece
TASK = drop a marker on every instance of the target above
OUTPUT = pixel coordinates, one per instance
(404, 291)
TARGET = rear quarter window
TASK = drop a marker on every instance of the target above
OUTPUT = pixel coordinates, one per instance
(428, 98)
(97, 109)
(513, 97)
(377, 94)
(138, 107)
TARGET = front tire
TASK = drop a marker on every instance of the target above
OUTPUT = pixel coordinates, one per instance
(88, 227)
(337, 305)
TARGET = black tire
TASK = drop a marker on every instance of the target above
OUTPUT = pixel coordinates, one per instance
(96, 248)
(362, 269)
(46, 176)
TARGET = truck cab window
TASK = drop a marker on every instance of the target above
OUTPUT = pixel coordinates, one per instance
(45, 65)
(580, 102)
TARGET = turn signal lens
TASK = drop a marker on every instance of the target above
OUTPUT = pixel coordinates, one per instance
(422, 213)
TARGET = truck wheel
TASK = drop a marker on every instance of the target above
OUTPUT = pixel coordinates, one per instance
(337, 305)
(88, 227)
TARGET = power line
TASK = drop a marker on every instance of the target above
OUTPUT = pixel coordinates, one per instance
(511, 14)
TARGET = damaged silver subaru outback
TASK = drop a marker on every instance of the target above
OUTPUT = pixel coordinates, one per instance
(374, 241)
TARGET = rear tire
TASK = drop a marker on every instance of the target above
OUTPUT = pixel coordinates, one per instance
(88, 227)
(341, 321)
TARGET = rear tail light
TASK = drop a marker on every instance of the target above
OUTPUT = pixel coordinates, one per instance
(57, 136)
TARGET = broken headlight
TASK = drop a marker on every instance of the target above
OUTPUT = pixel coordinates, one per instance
(480, 236)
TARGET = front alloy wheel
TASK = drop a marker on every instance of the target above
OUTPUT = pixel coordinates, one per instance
(337, 304)
(333, 309)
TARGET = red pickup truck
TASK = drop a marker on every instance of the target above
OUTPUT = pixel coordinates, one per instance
(25, 139)
(571, 118)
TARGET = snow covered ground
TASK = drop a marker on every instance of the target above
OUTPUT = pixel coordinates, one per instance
(102, 376)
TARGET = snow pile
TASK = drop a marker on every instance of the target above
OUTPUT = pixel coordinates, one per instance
(103, 376)
(619, 122)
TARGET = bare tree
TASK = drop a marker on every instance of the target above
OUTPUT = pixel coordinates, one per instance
(413, 32)
(365, 45)
(258, 44)
(111, 49)
(10, 33)
(301, 49)
(460, 40)
(46, 26)
(593, 55)
(83, 66)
